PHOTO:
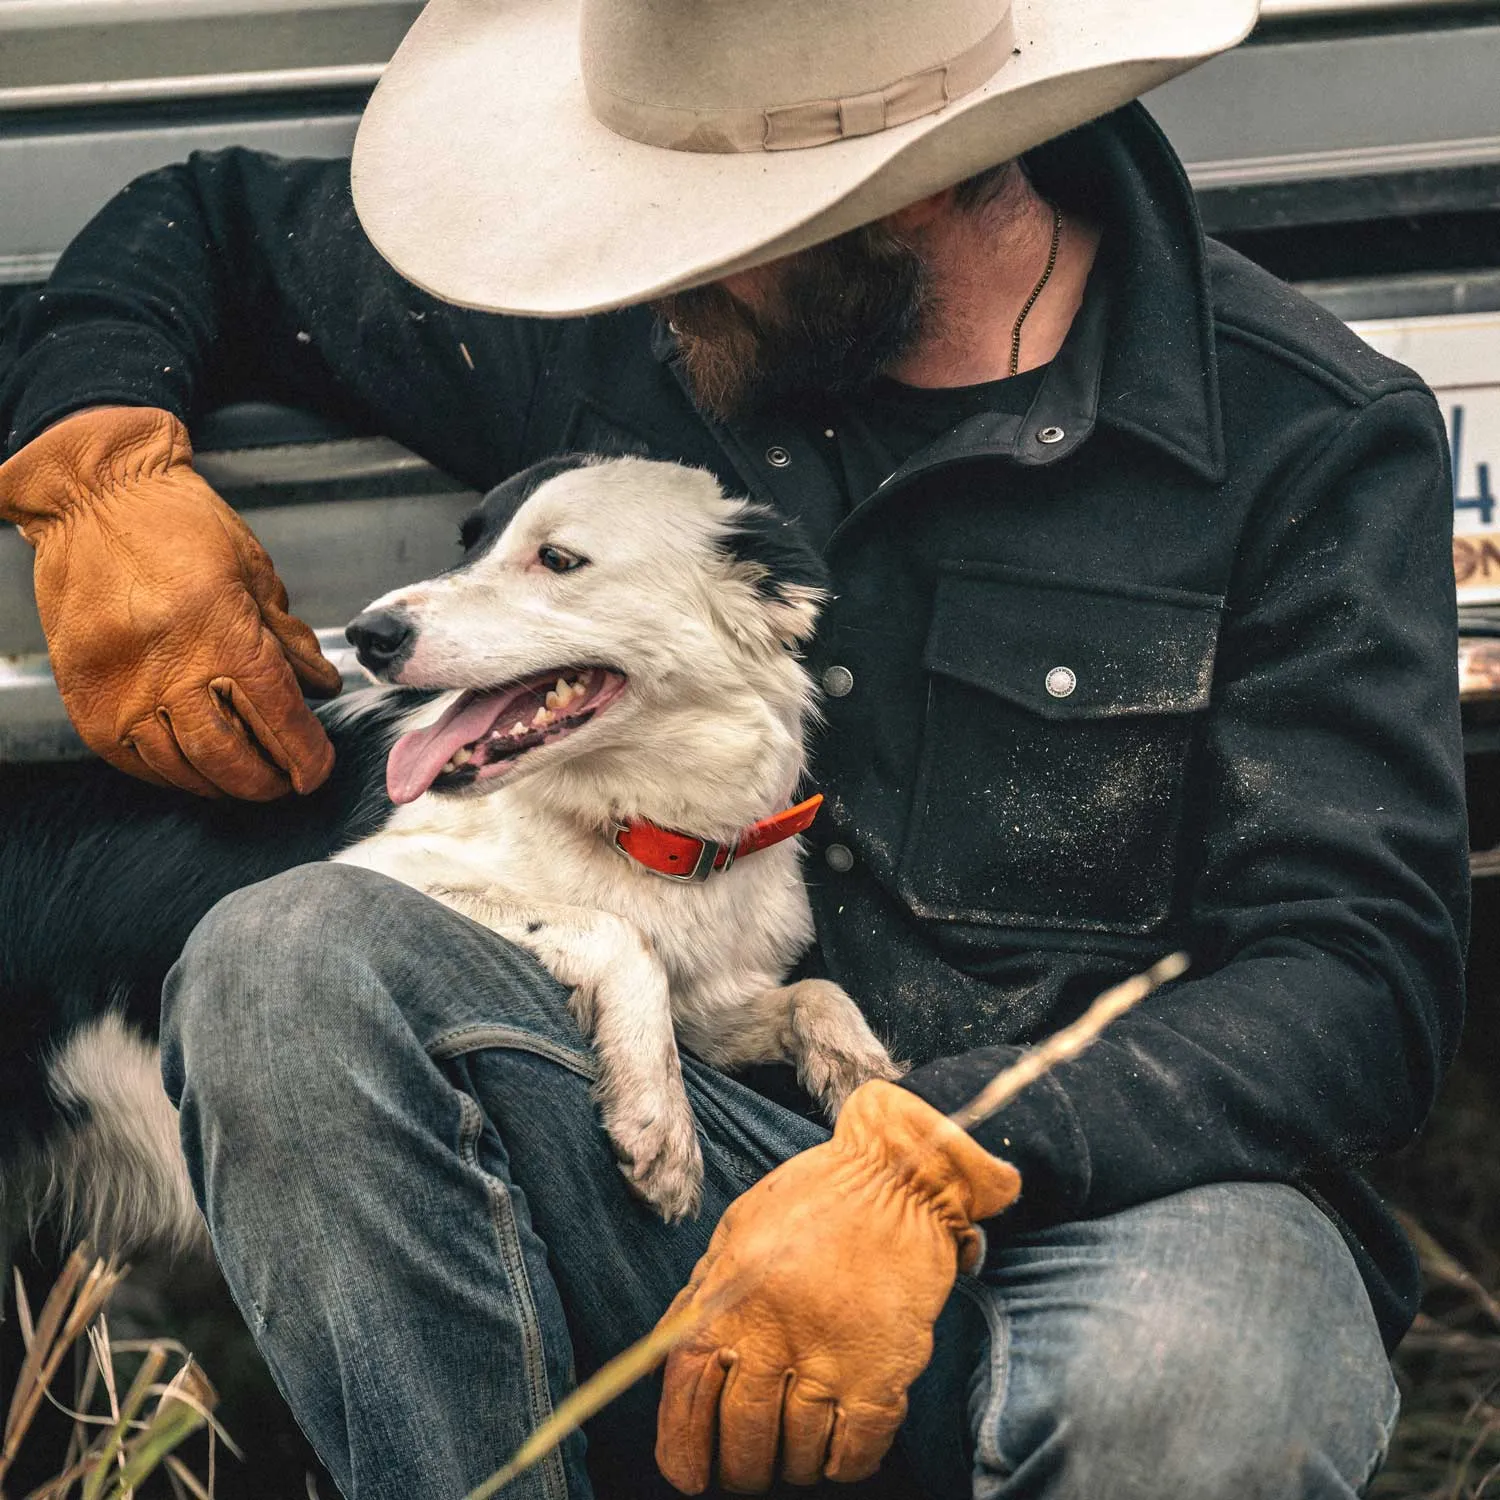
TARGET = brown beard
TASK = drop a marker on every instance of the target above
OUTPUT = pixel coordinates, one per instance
(837, 316)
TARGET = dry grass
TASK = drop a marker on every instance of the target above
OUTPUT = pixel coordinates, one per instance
(122, 1433)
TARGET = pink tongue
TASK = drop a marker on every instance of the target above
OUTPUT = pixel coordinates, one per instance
(417, 758)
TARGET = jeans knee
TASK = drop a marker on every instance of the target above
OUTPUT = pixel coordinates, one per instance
(1225, 1413)
(1224, 1347)
(271, 973)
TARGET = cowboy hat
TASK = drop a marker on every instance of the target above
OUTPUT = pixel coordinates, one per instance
(558, 157)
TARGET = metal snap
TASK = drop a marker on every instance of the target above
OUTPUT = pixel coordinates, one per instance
(778, 457)
(1061, 681)
(838, 682)
(840, 858)
(1050, 435)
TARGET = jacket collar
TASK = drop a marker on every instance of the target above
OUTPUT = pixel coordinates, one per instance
(1141, 355)
(1159, 373)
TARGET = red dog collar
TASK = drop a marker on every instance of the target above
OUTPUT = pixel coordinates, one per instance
(681, 856)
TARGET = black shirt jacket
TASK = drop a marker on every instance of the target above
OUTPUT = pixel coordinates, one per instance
(1224, 515)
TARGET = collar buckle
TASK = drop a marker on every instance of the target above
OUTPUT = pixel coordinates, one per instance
(707, 863)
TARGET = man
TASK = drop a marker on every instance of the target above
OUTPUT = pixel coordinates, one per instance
(1144, 638)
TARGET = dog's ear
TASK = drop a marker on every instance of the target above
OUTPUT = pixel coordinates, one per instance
(769, 552)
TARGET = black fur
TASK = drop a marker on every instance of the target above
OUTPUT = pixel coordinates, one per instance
(481, 528)
(777, 544)
(102, 878)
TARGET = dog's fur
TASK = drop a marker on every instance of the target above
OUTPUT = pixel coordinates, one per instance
(639, 571)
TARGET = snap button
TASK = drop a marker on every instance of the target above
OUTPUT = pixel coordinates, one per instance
(1050, 435)
(840, 858)
(778, 457)
(1061, 681)
(838, 682)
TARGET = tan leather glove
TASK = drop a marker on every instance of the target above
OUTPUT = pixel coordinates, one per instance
(166, 624)
(828, 1275)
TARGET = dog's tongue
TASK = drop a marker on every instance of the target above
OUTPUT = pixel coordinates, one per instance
(417, 758)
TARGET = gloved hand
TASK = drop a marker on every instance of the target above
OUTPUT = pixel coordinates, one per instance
(828, 1276)
(166, 624)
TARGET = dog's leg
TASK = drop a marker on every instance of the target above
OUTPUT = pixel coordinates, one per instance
(812, 1024)
(832, 1045)
(622, 1002)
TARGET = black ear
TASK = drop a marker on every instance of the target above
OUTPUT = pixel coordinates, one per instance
(771, 553)
(779, 553)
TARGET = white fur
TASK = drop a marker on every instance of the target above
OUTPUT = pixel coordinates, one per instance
(707, 740)
(118, 1181)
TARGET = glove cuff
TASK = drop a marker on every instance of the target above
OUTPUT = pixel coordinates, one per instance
(89, 456)
(930, 1156)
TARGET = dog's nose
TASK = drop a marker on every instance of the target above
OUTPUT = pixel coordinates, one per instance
(381, 637)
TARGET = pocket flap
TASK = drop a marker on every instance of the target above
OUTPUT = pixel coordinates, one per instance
(1069, 650)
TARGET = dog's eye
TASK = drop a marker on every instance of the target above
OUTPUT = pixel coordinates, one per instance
(556, 560)
(469, 530)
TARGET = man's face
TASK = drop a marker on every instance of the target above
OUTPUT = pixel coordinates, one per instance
(827, 319)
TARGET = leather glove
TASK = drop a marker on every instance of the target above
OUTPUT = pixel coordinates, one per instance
(166, 624)
(827, 1277)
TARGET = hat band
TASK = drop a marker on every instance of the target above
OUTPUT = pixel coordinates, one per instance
(817, 122)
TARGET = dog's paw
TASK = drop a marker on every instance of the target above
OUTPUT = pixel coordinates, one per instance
(660, 1156)
(831, 1074)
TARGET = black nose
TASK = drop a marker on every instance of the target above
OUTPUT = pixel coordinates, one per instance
(382, 637)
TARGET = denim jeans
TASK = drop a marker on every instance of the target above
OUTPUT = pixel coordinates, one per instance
(387, 1115)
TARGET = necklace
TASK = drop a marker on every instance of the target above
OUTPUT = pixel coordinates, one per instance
(1036, 291)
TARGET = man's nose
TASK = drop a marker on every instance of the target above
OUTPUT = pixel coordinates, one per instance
(382, 637)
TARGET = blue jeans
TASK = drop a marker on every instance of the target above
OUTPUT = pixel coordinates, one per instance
(387, 1116)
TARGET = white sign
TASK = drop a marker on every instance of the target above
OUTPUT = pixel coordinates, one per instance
(1459, 357)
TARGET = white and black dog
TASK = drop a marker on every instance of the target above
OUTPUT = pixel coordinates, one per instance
(607, 781)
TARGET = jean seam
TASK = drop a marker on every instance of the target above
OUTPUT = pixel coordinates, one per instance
(1383, 1451)
(987, 1454)
(479, 1036)
(508, 1240)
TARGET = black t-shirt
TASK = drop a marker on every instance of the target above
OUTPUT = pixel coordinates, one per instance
(879, 429)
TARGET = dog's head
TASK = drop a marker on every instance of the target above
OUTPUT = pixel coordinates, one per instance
(621, 617)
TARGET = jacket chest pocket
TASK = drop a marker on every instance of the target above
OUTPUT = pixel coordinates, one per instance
(1059, 720)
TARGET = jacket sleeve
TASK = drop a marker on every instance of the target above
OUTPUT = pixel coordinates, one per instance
(1329, 905)
(242, 276)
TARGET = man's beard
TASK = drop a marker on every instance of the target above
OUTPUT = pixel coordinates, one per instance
(836, 317)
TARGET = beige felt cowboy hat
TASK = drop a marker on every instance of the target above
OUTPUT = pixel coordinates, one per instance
(556, 157)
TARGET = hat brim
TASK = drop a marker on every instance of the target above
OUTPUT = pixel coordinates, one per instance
(481, 174)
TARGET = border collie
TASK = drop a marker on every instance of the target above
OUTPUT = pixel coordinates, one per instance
(591, 745)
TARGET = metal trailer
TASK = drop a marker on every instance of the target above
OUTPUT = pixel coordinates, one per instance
(1351, 145)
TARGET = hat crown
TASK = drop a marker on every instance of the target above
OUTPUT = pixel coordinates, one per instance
(645, 62)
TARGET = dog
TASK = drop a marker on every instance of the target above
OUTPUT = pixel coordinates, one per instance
(590, 741)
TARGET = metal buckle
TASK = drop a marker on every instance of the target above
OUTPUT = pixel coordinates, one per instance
(702, 868)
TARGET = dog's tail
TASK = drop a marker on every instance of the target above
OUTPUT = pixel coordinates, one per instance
(113, 1176)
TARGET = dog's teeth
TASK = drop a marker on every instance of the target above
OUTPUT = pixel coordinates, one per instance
(564, 691)
(541, 718)
(517, 730)
(553, 701)
(461, 758)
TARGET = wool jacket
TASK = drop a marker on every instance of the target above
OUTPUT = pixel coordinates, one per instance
(1167, 662)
